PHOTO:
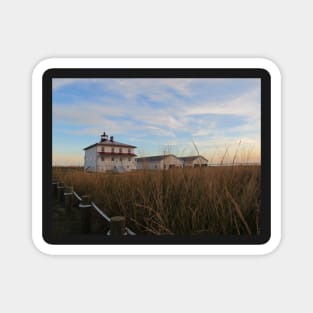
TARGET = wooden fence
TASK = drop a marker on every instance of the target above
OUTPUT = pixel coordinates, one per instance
(67, 196)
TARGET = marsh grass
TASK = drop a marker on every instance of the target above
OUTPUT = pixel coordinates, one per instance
(221, 200)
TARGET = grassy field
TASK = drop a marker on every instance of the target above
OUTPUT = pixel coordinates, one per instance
(183, 201)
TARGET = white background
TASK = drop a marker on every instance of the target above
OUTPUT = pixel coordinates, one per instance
(34, 30)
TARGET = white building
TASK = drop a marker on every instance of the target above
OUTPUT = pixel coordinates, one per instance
(158, 162)
(109, 155)
(194, 161)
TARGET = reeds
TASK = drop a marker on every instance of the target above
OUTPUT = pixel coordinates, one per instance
(222, 200)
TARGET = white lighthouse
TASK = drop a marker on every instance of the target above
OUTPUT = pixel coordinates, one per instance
(109, 155)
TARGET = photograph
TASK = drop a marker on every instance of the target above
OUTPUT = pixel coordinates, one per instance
(156, 156)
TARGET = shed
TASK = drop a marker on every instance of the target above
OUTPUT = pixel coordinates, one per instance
(194, 161)
(158, 162)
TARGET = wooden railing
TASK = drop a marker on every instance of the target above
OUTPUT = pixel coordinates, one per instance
(67, 196)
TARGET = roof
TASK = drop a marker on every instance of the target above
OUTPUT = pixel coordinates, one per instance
(110, 144)
(155, 158)
(192, 158)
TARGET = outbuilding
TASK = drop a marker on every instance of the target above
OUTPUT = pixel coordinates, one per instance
(194, 161)
(158, 162)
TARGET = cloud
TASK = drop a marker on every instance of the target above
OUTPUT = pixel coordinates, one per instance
(244, 105)
(58, 83)
(160, 110)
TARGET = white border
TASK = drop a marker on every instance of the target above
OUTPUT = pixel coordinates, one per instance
(156, 249)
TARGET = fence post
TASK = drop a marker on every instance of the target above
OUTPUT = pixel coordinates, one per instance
(85, 207)
(117, 225)
(54, 189)
(60, 192)
(68, 199)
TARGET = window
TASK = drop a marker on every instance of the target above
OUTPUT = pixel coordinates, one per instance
(120, 150)
(112, 149)
(128, 150)
(102, 149)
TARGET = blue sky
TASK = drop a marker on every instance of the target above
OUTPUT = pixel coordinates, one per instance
(157, 116)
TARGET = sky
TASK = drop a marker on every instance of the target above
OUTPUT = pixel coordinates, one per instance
(216, 118)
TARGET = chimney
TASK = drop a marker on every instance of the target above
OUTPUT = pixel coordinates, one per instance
(111, 138)
(104, 137)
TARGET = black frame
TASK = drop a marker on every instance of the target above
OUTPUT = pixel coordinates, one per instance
(265, 222)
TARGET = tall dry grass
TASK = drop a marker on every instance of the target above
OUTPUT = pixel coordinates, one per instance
(180, 201)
